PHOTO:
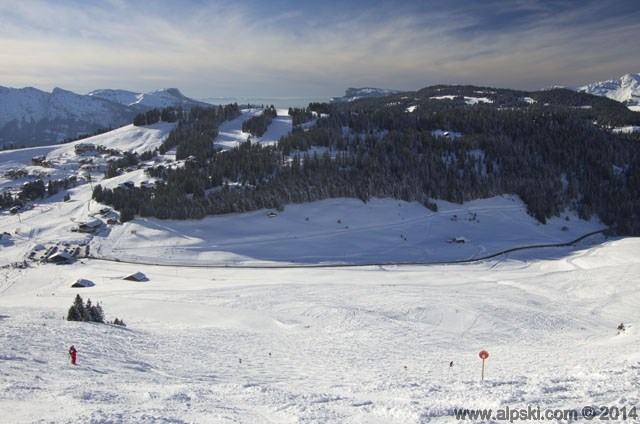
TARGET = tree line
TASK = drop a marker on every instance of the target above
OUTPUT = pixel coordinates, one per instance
(155, 115)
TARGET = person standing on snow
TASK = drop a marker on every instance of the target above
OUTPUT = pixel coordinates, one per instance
(72, 354)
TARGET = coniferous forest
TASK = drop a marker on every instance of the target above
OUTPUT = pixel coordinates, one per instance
(556, 149)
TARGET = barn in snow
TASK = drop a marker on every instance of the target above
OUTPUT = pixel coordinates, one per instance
(82, 283)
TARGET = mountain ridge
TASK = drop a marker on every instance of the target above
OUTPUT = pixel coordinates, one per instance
(352, 94)
(33, 117)
(625, 89)
(163, 97)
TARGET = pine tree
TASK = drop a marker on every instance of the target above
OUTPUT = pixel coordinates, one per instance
(77, 310)
(73, 314)
(97, 314)
(86, 313)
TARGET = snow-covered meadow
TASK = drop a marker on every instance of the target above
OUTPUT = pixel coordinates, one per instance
(344, 345)
(238, 323)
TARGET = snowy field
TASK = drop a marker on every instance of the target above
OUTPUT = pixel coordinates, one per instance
(238, 323)
(334, 345)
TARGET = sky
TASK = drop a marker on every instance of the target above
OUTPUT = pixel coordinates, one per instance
(282, 48)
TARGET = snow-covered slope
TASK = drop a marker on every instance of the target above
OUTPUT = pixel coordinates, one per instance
(65, 163)
(280, 342)
(231, 134)
(319, 233)
(352, 94)
(391, 345)
(155, 99)
(626, 89)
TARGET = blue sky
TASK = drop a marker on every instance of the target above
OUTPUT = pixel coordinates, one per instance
(298, 48)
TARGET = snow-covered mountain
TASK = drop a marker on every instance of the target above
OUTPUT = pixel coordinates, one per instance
(352, 94)
(625, 89)
(160, 98)
(32, 117)
(275, 333)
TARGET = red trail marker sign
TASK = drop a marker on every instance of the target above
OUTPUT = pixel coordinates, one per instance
(483, 355)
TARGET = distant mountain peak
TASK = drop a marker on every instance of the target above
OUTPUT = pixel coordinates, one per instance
(625, 89)
(173, 92)
(631, 78)
(352, 94)
(160, 98)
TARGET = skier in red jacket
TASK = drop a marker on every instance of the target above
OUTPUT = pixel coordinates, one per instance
(72, 354)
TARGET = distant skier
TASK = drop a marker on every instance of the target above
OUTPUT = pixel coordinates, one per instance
(450, 364)
(72, 354)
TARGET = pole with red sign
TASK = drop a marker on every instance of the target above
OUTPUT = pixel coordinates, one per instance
(483, 355)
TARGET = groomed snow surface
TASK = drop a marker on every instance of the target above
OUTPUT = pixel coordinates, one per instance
(334, 345)
(339, 231)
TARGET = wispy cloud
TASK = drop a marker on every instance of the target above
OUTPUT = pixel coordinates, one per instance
(284, 48)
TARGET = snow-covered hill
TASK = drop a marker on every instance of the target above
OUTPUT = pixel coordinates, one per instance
(31, 117)
(155, 99)
(625, 89)
(210, 341)
(319, 233)
(352, 94)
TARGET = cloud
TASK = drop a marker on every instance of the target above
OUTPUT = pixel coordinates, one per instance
(576, 46)
(285, 48)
